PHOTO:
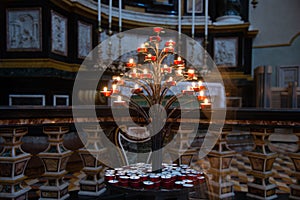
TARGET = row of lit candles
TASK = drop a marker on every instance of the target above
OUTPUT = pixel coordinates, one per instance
(149, 57)
(190, 91)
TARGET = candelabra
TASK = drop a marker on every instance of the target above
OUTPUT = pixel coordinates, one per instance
(150, 81)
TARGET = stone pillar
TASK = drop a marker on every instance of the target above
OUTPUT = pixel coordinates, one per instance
(220, 160)
(93, 183)
(261, 159)
(295, 157)
(263, 86)
(13, 162)
(55, 159)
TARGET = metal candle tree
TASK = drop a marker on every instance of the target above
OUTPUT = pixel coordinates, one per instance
(150, 82)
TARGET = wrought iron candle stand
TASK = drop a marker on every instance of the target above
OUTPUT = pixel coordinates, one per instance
(13, 162)
(157, 70)
(93, 183)
(55, 159)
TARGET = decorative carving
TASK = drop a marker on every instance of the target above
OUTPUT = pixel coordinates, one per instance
(59, 34)
(84, 39)
(225, 52)
(24, 29)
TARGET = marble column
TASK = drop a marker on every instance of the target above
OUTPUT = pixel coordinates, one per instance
(295, 157)
(55, 159)
(220, 161)
(93, 183)
(261, 159)
(13, 162)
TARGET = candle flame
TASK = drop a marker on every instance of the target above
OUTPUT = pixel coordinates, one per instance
(171, 79)
(136, 86)
(179, 58)
(201, 93)
(191, 71)
(165, 65)
(206, 101)
(131, 60)
(200, 83)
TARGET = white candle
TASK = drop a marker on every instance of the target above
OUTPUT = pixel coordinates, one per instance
(206, 18)
(193, 19)
(179, 16)
(105, 89)
(110, 12)
(120, 15)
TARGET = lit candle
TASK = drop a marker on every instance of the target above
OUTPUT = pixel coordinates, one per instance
(170, 43)
(114, 89)
(119, 102)
(142, 49)
(201, 96)
(179, 72)
(120, 15)
(170, 82)
(200, 85)
(205, 105)
(191, 73)
(137, 89)
(178, 62)
(130, 63)
(105, 92)
(166, 68)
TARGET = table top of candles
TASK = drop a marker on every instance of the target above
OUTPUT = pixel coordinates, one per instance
(140, 176)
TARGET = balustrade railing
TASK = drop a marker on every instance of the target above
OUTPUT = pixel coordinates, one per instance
(262, 177)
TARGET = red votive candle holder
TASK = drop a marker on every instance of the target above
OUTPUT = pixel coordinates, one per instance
(142, 50)
(144, 177)
(113, 182)
(178, 184)
(157, 29)
(135, 181)
(148, 184)
(154, 178)
(109, 177)
(123, 181)
(155, 38)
